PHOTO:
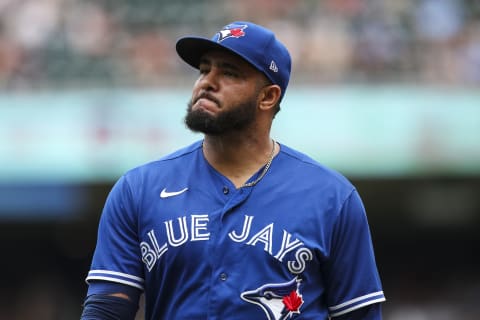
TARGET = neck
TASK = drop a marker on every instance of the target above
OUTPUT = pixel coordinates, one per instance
(238, 159)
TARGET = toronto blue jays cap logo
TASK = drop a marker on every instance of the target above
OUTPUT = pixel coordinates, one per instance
(233, 30)
(279, 301)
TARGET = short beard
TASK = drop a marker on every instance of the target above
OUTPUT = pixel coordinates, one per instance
(238, 118)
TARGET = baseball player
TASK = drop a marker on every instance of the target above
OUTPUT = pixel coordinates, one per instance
(237, 225)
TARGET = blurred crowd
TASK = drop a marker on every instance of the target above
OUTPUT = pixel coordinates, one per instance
(82, 43)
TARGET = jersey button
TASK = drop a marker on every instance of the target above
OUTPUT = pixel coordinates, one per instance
(226, 190)
(223, 276)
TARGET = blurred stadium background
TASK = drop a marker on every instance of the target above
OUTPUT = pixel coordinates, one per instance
(385, 91)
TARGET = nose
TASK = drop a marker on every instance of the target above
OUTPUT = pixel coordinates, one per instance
(208, 81)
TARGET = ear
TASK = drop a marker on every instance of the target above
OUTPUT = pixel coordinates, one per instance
(269, 96)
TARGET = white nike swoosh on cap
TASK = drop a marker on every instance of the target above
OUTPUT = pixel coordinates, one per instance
(166, 194)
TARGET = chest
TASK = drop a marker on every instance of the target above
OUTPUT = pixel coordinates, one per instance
(199, 226)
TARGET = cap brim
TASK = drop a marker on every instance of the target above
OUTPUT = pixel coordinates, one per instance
(191, 49)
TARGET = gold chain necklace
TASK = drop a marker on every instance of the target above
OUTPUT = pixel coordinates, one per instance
(265, 169)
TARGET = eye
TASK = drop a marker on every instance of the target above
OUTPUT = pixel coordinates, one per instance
(268, 295)
(230, 73)
(203, 68)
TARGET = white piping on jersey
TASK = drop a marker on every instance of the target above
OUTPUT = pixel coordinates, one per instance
(358, 306)
(116, 273)
(111, 279)
(346, 303)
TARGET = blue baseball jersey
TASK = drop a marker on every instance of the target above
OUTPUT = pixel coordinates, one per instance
(295, 245)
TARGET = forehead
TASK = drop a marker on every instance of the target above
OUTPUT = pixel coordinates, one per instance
(226, 58)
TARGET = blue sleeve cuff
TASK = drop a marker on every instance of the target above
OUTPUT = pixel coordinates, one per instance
(370, 312)
(108, 287)
(105, 307)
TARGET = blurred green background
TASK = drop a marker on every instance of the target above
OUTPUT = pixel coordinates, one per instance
(386, 92)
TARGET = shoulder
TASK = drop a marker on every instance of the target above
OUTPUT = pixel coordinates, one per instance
(181, 153)
(303, 167)
(171, 166)
(179, 157)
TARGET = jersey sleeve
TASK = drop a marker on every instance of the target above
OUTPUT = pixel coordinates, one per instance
(117, 256)
(351, 271)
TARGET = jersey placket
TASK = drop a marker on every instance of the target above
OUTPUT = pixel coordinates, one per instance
(219, 281)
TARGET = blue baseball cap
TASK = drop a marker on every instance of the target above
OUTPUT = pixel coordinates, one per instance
(255, 44)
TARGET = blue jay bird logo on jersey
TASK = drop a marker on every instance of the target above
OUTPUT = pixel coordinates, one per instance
(279, 301)
(231, 31)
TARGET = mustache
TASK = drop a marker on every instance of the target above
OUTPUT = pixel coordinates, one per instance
(206, 95)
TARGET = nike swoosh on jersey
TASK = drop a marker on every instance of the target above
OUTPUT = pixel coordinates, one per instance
(166, 194)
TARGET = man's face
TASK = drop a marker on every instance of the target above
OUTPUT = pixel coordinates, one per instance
(225, 95)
